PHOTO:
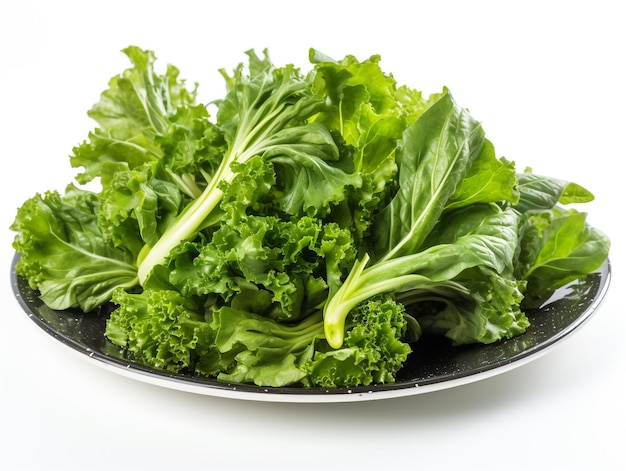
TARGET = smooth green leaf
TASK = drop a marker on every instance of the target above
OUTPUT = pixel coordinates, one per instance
(539, 192)
(559, 247)
(434, 156)
(489, 180)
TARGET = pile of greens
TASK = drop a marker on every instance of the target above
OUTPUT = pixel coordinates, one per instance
(308, 232)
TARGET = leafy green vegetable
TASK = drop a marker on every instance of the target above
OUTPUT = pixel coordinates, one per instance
(254, 349)
(291, 260)
(160, 328)
(64, 253)
(137, 108)
(307, 234)
(372, 352)
(370, 113)
(435, 153)
(484, 239)
(265, 114)
(539, 192)
(558, 247)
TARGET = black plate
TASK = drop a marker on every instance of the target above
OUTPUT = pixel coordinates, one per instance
(433, 365)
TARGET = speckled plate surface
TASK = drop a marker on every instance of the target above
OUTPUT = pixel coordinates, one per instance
(433, 365)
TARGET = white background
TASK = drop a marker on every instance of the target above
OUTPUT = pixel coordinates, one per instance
(547, 81)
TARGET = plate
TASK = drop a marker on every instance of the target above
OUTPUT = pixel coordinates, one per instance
(433, 365)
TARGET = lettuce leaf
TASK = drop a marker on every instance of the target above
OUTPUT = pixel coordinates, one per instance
(65, 255)
(131, 114)
(253, 349)
(160, 328)
(289, 260)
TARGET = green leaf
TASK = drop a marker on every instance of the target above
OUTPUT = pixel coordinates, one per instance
(254, 349)
(64, 253)
(478, 236)
(373, 350)
(434, 156)
(136, 202)
(131, 113)
(160, 328)
(539, 192)
(359, 93)
(289, 259)
(414, 103)
(365, 111)
(251, 191)
(489, 180)
(193, 148)
(485, 311)
(558, 247)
